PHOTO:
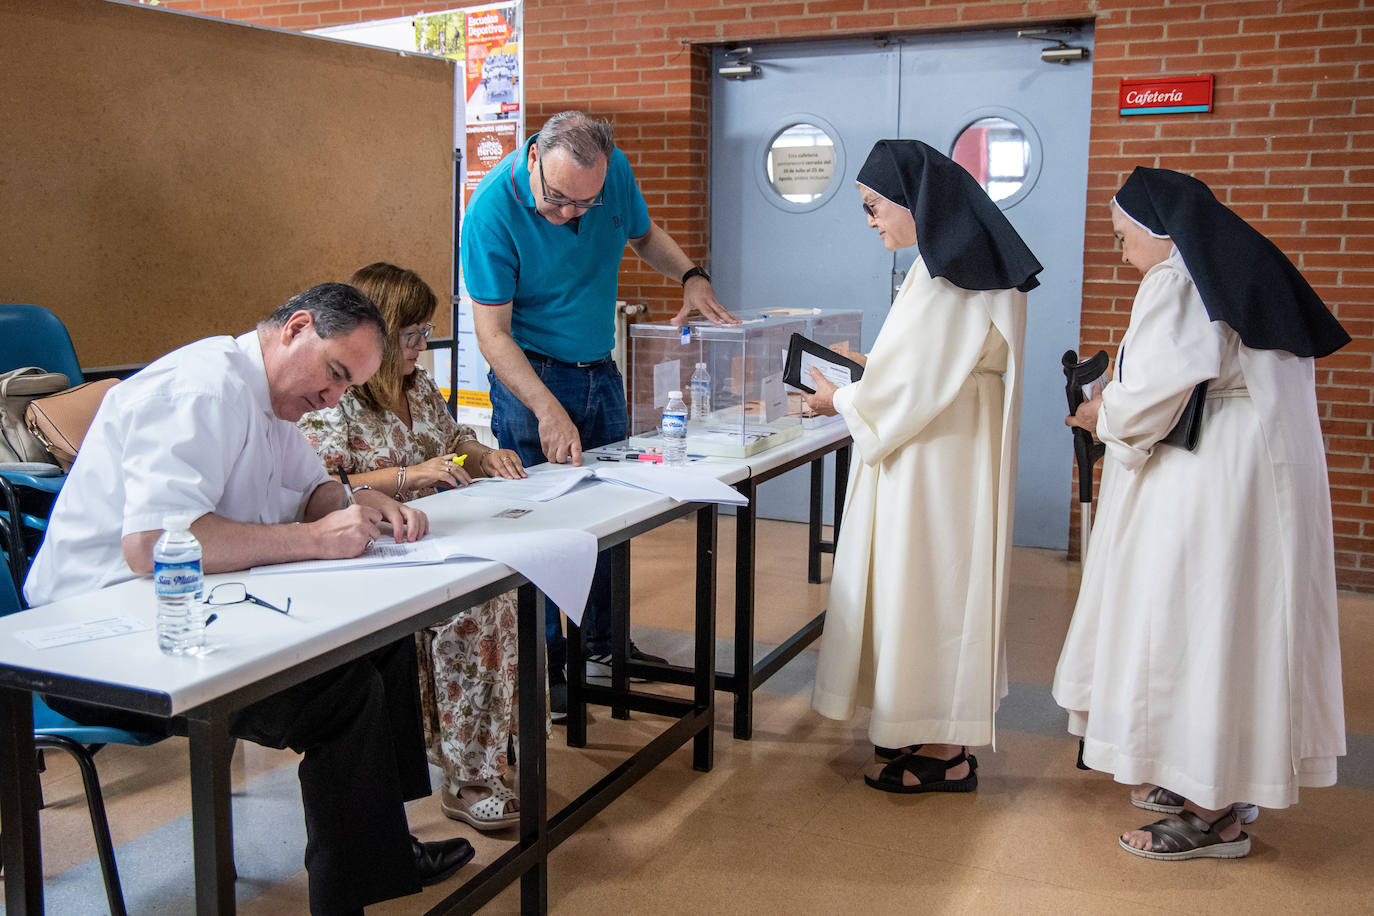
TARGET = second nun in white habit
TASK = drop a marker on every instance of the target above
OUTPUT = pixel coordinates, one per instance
(919, 589)
(1203, 659)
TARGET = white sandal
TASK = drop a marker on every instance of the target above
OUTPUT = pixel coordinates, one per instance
(488, 814)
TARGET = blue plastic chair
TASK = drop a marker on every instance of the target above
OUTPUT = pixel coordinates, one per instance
(53, 731)
(30, 335)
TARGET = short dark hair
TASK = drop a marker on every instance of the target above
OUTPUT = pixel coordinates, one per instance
(336, 308)
(585, 138)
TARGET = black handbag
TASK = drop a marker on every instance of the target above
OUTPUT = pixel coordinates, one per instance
(1188, 429)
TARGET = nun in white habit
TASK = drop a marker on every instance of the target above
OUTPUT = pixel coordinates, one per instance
(919, 588)
(1202, 664)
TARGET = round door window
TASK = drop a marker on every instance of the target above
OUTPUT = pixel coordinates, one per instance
(801, 163)
(997, 153)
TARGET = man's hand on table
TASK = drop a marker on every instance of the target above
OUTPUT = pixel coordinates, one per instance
(559, 437)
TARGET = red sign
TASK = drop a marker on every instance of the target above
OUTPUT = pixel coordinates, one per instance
(1166, 95)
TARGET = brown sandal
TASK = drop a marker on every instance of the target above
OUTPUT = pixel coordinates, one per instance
(1162, 800)
(1189, 836)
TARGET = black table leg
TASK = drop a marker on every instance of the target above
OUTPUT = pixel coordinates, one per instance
(619, 558)
(744, 613)
(19, 802)
(841, 487)
(704, 692)
(212, 829)
(577, 678)
(813, 522)
(534, 825)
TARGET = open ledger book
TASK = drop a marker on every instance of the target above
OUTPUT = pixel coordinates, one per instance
(542, 485)
(560, 561)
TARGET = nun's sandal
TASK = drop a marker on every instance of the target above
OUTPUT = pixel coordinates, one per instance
(1162, 800)
(1187, 835)
(930, 771)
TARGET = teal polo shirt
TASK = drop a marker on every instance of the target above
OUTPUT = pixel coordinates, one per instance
(561, 280)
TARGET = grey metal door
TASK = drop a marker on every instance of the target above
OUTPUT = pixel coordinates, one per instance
(813, 248)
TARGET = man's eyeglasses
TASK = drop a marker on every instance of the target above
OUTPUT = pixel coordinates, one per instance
(560, 202)
(413, 338)
(868, 208)
(237, 593)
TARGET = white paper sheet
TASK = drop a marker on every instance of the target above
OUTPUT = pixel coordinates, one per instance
(774, 397)
(836, 374)
(541, 486)
(677, 483)
(560, 561)
(667, 377)
(64, 634)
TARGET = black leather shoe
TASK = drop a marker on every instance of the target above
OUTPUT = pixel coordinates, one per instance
(435, 862)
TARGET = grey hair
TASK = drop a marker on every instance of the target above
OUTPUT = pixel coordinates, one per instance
(336, 308)
(587, 140)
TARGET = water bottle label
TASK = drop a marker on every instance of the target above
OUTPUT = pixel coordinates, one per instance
(177, 579)
(674, 422)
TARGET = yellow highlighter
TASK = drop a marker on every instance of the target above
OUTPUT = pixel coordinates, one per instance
(459, 459)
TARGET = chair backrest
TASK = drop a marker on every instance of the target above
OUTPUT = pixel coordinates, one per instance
(9, 591)
(30, 335)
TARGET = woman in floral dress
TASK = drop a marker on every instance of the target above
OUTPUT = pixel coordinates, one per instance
(395, 434)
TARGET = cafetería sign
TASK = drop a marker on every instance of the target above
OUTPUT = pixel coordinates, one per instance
(1166, 95)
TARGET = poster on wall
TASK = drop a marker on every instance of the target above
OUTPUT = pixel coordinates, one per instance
(494, 85)
(488, 142)
(494, 127)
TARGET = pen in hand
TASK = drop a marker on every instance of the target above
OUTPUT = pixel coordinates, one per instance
(348, 488)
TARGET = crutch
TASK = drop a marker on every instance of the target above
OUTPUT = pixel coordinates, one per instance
(1077, 376)
(1086, 451)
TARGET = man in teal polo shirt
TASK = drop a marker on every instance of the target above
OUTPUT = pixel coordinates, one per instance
(541, 245)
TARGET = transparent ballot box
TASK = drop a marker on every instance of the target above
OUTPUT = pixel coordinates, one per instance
(751, 409)
(839, 329)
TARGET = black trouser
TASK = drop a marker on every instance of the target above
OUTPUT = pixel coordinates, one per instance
(359, 727)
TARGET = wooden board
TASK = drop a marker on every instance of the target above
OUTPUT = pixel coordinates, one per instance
(170, 177)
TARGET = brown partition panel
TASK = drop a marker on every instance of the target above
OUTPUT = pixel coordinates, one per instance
(169, 177)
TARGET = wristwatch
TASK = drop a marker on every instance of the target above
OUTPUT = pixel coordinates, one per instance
(696, 272)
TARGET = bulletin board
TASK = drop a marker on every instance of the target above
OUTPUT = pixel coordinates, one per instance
(169, 177)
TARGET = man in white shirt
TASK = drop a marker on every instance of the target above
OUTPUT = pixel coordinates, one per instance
(209, 430)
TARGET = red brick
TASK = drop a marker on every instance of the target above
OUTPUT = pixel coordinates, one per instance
(1318, 38)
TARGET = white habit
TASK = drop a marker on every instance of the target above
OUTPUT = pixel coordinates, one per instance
(919, 589)
(1203, 654)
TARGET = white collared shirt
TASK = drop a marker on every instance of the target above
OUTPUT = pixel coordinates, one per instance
(192, 433)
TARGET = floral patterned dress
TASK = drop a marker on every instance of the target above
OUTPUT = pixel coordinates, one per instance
(467, 664)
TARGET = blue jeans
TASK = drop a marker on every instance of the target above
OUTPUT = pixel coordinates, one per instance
(594, 398)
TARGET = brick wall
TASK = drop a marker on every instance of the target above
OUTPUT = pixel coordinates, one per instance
(1290, 145)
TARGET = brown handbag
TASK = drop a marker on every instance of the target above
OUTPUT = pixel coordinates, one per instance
(60, 420)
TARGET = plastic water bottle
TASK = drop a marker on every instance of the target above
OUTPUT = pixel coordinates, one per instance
(701, 393)
(675, 431)
(179, 585)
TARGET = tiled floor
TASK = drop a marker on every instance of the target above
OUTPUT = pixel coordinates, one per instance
(784, 823)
